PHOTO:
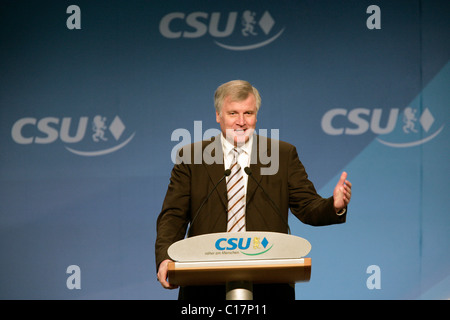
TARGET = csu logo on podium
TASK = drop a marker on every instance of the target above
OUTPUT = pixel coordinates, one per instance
(249, 246)
(85, 136)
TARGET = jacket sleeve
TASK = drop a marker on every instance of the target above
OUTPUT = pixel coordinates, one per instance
(175, 214)
(304, 202)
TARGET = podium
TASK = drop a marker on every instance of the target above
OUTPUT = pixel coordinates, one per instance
(238, 260)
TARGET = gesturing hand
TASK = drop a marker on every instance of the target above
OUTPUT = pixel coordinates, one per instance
(342, 193)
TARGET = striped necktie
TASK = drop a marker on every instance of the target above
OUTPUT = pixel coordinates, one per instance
(236, 196)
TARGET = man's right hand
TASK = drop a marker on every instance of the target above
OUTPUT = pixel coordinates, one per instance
(163, 273)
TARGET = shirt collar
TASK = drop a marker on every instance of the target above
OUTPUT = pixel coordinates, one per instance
(227, 146)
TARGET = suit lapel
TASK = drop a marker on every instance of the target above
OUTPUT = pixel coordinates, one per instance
(216, 169)
(255, 166)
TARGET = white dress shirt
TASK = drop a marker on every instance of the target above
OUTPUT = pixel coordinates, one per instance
(243, 159)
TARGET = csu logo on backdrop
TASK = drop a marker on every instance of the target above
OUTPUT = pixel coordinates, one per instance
(396, 129)
(239, 31)
(84, 136)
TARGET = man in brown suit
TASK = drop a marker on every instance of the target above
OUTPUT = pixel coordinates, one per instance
(200, 166)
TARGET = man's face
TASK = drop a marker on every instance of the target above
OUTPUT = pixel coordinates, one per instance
(238, 119)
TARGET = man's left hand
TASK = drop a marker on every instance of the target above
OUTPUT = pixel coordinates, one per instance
(342, 193)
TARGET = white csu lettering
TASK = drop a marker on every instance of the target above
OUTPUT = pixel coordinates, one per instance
(195, 25)
(358, 117)
(46, 130)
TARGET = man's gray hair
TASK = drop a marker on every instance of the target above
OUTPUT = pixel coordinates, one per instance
(237, 90)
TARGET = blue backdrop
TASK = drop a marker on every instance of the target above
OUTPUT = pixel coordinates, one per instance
(91, 92)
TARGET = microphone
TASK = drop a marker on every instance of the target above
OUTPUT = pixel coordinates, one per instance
(249, 172)
(225, 174)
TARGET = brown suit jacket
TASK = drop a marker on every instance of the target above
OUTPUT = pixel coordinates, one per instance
(190, 183)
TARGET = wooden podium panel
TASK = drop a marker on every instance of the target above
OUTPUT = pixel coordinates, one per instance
(255, 271)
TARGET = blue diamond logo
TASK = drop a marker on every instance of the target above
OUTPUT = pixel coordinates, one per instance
(264, 242)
